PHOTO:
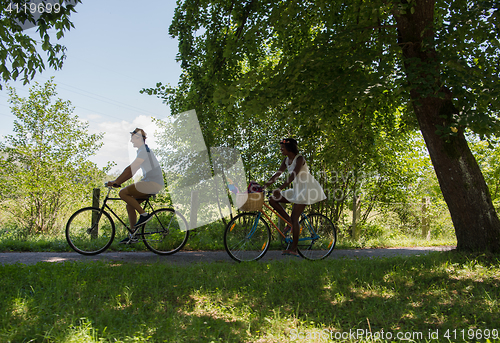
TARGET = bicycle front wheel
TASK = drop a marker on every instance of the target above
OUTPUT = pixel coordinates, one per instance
(90, 231)
(166, 233)
(247, 237)
(317, 237)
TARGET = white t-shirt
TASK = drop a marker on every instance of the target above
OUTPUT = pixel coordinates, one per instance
(151, 169)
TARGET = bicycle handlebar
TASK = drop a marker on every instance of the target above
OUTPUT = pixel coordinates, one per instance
(114, 185)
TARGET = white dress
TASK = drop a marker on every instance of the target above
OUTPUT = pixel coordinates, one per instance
(306, 189)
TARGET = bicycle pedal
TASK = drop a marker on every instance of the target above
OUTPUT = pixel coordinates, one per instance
(129, 240)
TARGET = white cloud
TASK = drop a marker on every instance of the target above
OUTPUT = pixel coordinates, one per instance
(93, 117)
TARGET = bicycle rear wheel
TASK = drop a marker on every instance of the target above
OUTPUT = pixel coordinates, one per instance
(166, 233)
(317, 237)
(247, 237)
(90, 231)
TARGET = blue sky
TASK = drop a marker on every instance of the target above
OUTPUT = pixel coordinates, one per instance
(117, 48)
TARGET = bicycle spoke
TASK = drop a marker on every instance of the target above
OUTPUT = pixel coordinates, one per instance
(89, 231)
(247, 237)
(166, 233)
(317, 237)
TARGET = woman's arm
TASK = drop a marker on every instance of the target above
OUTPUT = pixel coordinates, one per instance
(276, 175)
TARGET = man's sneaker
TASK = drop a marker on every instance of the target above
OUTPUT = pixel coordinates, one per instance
(129, 240)
(143, 220)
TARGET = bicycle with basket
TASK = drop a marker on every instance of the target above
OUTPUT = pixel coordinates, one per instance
(247, 237)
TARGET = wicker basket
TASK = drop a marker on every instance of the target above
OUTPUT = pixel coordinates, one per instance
(249, 201)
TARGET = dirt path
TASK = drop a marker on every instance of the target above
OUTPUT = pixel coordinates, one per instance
(188, 257)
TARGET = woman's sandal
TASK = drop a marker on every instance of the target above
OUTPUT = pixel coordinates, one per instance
(290, 253)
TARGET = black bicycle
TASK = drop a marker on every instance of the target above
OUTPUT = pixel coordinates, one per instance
(91, 230)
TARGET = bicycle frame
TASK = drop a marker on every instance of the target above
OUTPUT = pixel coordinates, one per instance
(287, 240)
(106, 206)
(248, 236)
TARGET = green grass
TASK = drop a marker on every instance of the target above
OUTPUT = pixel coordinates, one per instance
(290, 301)
(210, 237)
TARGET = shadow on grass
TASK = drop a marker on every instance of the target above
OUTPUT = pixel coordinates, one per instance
(279, 301)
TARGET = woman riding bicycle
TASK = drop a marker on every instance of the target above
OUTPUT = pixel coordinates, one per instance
(306, 189)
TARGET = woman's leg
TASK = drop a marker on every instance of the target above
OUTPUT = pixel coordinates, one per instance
(296, 212)
(275, 203)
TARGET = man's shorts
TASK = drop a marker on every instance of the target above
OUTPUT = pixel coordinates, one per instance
(142, 188)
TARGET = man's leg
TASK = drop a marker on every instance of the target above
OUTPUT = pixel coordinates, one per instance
(130, 194)
(132, 215)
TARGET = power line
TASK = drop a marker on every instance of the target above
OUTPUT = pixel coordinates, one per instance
(106, 100)
(100, 98)
(94, 96)
(7, 115)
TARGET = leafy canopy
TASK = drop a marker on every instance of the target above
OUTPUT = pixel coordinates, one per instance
(19, 55)
(321, 59)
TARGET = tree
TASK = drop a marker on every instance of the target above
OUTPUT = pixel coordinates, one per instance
(18, 51)
(386, 65)
(44, 165)
(445, 106)
(488, 158)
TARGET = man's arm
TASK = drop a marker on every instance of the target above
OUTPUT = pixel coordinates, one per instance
(127, 173)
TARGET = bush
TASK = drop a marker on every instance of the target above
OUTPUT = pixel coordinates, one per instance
(44, 166)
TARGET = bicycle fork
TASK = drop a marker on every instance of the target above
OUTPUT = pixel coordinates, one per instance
(254, 227)
(313, 233)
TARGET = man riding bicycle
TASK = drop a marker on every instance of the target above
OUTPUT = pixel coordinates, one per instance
(151, 183)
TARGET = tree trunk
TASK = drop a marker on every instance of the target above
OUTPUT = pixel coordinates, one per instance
(476, 223)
